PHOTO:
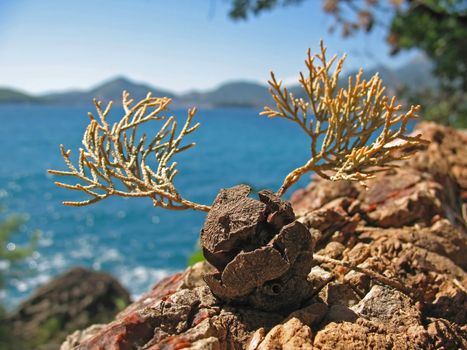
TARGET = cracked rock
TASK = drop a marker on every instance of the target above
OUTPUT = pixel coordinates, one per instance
(262, 254)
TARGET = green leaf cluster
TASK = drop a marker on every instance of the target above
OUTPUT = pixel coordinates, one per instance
(9, 226)
(439, 28)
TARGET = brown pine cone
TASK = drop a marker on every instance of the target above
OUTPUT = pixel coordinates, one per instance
(262, 255)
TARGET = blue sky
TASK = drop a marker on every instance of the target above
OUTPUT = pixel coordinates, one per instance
(180, 45)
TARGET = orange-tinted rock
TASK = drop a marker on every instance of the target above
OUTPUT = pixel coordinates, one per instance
(408, 226)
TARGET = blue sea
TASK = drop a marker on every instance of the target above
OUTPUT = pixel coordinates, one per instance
(129, 238)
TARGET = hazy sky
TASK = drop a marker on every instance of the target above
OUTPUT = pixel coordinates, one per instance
(180, 45)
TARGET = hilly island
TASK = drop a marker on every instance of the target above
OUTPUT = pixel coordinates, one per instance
(415, 75)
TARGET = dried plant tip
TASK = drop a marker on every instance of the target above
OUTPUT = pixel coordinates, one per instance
(354, 131)
(114, 158)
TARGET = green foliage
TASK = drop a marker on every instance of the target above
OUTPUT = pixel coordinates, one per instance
(7, 341)
(120, 303)
(444, 107)
(241, 9)
(47, 331)
(437, 27)
(11, 253)
(197, 255)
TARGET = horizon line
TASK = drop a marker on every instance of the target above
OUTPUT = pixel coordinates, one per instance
(287, 81)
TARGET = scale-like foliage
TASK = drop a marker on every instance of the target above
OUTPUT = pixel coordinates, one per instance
(114, 162)
(354, 131)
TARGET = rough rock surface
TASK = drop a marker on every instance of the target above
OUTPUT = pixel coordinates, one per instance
(262, 254)
(410, 227)
(73, 300)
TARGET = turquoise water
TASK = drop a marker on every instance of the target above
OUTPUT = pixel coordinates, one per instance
(129, 238)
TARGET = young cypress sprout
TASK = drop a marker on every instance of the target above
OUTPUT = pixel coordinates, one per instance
(342, 122)
(113, 161)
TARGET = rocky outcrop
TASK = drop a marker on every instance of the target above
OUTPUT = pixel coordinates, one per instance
(73, 300)
(409, 227)
(432, 184)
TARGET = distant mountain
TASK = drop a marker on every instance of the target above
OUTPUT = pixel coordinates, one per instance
(415, 74)
(8, 95)
(107, 91)
(232, 94)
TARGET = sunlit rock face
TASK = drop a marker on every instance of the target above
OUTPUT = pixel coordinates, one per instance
(262, 255)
